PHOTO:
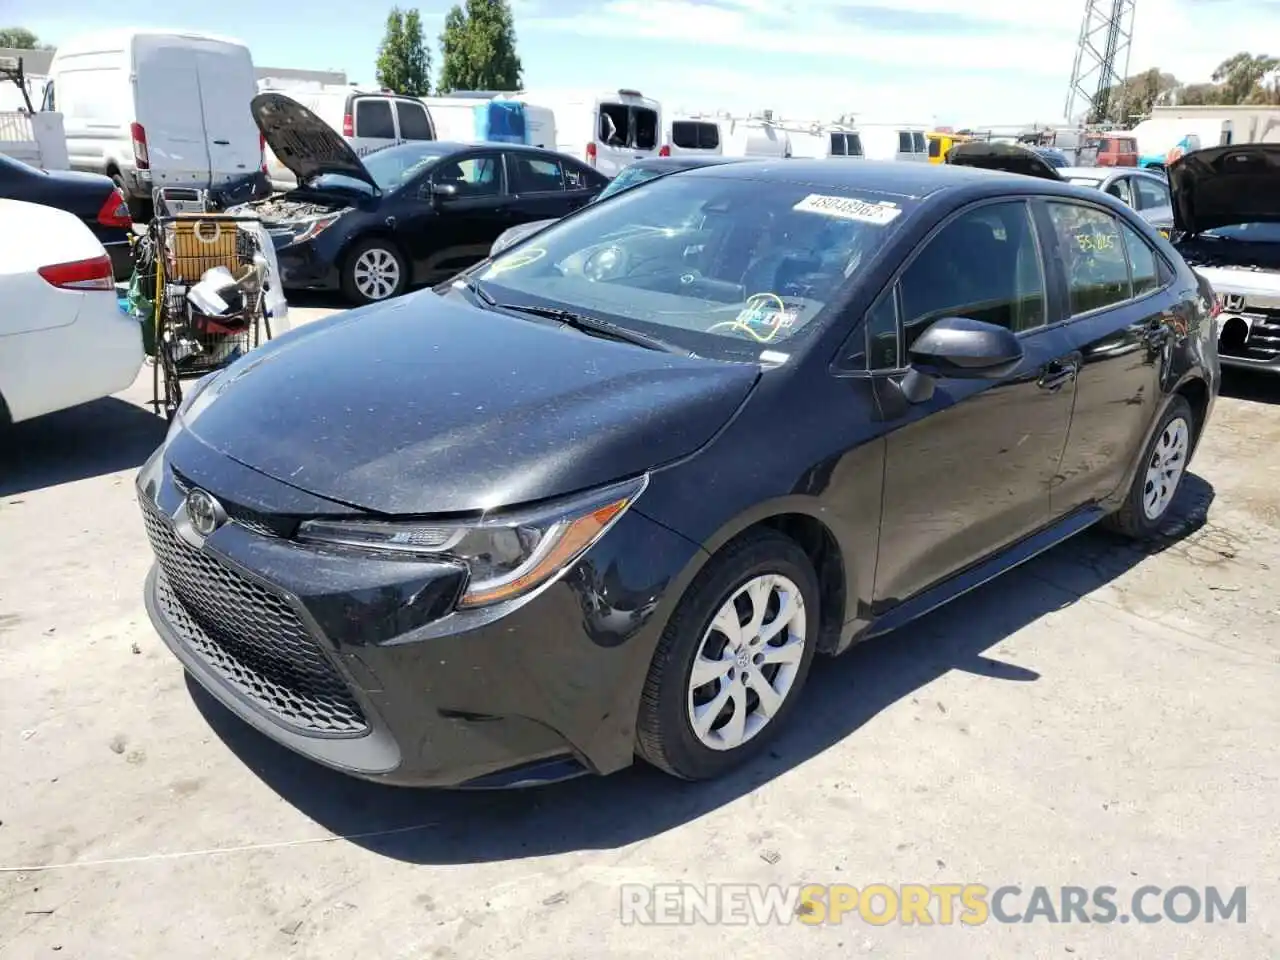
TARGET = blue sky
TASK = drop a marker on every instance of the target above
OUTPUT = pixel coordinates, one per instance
(987, 62)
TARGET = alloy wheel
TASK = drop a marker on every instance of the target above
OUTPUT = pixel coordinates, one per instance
(376, 273)
(747, 662)
(1165, 468)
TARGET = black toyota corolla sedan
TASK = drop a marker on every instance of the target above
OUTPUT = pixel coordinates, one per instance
(403, 215)
(607, 494)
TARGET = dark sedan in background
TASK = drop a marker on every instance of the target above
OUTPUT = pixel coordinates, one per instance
(642, 171)
(608, 500)
(90, 196)
(404, 215)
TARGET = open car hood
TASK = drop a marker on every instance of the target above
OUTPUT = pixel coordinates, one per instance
(1007, 157)
(303, 142)
(1225, 186)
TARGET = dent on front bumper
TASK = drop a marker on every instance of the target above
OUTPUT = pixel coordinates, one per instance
(361, 664)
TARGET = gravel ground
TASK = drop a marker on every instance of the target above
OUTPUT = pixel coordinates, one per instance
(1102, 716)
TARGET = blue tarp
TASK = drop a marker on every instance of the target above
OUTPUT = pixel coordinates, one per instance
(501, 121)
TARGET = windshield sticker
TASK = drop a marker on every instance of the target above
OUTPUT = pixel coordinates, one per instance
(762, 318)
(849, 208)
(515, 261)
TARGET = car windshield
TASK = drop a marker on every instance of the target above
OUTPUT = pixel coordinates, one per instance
(390, 168)
(1248, 232)
(630, 177)
(721, 266)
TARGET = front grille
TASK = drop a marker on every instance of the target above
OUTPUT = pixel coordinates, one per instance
(249, 636)
(1263, 342)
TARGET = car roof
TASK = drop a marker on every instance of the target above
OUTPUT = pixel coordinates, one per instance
(453, 146)
(882, 176)
(1103, 173)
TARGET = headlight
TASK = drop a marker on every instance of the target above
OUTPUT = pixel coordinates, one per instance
(508, 555)
(305, 230)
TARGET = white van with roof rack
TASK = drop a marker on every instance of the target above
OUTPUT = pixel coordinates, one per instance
(756, 135)
(368, 119)
(693, 134)
(894, 141)
(608, 130)
(815, 140)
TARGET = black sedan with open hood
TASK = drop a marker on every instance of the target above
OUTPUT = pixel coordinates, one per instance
(403, 215)
(608, 494)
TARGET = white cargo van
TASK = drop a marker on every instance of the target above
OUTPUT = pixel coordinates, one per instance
(156, 109)
(819, 141)
(367, 119)
(894, 141)
(609, 130)
(754, 136)
(692, 135)
(486, 116)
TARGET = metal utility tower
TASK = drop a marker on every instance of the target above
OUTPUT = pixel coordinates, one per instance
(1102, 57)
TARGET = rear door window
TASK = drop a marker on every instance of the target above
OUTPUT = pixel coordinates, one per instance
(374, 120)
(645, 127)
(837, 145)
(414, 122)
(1122, 189)
(695, 135)
(904, 141)
(1094, 256)
(531, 175)
(853, 144)
(917, 142)
(935, 148)
(624, 126)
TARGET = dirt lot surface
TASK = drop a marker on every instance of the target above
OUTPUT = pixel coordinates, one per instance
(1103, 716)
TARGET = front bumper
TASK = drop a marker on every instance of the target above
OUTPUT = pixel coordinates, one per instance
(304, 267)
(360, 663)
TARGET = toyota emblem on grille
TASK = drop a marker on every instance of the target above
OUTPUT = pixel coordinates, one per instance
(204, 512)
(1233, 302)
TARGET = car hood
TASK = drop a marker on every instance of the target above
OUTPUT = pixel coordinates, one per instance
(423, 405)
(303, 142)
(1007, 157)
(1225, 186)
(513, 235)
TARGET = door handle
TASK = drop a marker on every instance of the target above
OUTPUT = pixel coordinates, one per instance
(1057, 374)
(223, 143)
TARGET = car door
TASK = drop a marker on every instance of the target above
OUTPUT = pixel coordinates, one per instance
(539, 190)
(1121, 318)
(462, 226)
(969, 470)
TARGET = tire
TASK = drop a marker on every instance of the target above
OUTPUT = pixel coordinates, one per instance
(366, 262)
(1176, 431)
(665, 734)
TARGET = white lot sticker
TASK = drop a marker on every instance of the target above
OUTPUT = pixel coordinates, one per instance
(848, 208)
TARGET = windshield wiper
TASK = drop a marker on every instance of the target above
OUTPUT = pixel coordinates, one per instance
(593, 326)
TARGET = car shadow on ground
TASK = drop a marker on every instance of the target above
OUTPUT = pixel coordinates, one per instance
(603, 813)
(1259, 386)
(86, 441)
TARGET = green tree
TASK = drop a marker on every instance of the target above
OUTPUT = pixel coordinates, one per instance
(404, 62)
(20, 38)
(478, 48)
(1240, 77)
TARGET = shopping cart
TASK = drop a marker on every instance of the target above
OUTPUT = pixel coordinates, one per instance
(209, 275)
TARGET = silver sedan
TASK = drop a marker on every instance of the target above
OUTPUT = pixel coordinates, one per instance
(1148, 193)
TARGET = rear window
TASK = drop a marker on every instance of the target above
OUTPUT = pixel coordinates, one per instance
(625, 126)
(695, 135)
(853, 143)
(414, 123)
(935, 148)
(837, 145)
(373, 119)
(917, 141)
(904, 142)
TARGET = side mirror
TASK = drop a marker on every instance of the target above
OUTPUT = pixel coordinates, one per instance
(963, 349)
(444, 191)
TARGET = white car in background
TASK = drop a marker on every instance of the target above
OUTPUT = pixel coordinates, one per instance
(63, 338)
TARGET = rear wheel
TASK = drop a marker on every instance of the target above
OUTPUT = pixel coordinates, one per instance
(732, 660)
(374, 270)
(1160, 474)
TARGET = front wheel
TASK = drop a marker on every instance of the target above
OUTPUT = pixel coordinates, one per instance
(732, 660)
(374, 270)
(1160, 474)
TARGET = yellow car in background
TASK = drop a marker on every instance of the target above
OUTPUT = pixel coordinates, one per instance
(940, 142)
